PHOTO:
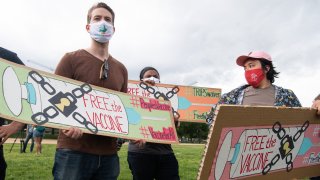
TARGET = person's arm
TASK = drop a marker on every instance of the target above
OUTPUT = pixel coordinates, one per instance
(10, 56)
(316, 104)
(125, 83)
(231, 97)
(7, 130)
(224, 99)
(294, 100)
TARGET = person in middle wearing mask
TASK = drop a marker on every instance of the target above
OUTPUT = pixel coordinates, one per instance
(260, 90)
(148, 161)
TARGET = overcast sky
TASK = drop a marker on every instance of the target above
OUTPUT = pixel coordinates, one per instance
(186, 40)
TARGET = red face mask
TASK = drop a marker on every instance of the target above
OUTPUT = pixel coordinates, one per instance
(254, 77)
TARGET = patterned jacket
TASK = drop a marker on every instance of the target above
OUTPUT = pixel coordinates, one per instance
(283, 97)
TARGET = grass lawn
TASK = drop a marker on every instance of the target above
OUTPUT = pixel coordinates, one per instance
(31, 166)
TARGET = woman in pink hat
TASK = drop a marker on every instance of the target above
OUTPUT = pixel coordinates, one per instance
(260, 90)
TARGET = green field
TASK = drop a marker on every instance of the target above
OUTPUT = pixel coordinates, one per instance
(31, 166)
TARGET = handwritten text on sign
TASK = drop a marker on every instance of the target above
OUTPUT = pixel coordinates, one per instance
(106, 112)
(155, 105)
(188, 103)
(256, 152)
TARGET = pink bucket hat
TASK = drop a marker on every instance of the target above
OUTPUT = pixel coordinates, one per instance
(255, 54)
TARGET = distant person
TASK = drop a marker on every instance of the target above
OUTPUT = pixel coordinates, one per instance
(260, 75)
(89, 156)
(148, 161)
(38, 133)
(29, 135)
(316, 104)
(8, 130)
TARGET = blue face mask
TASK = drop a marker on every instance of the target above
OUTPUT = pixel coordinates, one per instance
(101, 31)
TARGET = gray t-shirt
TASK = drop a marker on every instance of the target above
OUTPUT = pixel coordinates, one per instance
(262, 97)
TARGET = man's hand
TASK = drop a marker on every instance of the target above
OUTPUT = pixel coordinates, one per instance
(8, 130)
(139, 142)
(316, 105)
(73, 132)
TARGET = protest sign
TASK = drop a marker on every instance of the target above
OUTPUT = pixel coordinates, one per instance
(189, 103)
(262, 143)
(34, 97)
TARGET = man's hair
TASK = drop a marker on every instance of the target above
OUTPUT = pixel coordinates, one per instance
(100, 5)
(272, 73)
(144, 70)
(317, 98)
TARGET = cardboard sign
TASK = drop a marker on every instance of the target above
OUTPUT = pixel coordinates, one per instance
(262, 143)
(34, 97)
(191, 104)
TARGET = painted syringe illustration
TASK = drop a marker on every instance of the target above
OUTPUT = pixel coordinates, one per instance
(261, 150)
(35, 97)
(47, 103)
(171, 93)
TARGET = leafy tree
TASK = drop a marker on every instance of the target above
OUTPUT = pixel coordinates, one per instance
(192, 131)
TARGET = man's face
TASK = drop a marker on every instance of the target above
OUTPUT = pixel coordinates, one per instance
(99, 14)
(252, 64)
